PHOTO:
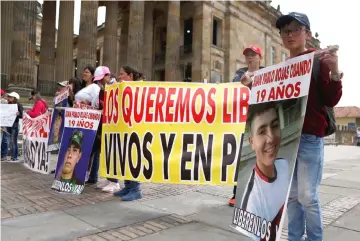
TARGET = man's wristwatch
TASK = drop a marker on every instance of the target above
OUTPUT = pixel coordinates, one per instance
(336, 76)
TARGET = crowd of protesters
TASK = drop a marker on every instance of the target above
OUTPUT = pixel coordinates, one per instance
(304, 212)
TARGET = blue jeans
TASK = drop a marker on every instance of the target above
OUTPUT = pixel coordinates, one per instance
(4, 145)
(132, 185)
(14, 148)
(303, 205)
(95, 168)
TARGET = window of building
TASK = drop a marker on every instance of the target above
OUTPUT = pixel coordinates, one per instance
(216, 32)
(284, 57)
(273, 55)
(215, 77)
(188, 31)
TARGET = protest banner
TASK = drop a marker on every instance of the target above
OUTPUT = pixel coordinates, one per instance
(86, 107)
(273, 130)
(35, 140)
(168, 132)
(75, 149)
(57, 119)
(8, 114)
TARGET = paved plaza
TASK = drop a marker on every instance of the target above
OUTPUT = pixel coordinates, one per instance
(30, 210)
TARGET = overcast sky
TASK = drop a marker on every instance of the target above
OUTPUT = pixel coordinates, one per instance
(330, 27)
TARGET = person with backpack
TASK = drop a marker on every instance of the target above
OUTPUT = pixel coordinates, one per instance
(40, 105)
(325, 91)
(253, 56)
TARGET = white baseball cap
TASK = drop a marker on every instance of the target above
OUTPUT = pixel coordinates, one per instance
(15, 95)
(63, 83)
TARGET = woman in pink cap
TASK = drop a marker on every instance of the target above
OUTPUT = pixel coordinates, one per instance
(102, 76)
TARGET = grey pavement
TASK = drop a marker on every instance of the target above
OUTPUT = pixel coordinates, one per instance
(174, 212)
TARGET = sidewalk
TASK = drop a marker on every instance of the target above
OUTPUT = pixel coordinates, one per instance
(30, 210)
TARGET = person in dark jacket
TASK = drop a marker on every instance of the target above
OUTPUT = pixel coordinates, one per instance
(13, 98)
(40, 105)
(253, 56)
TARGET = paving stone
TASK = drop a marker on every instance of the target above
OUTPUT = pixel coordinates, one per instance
(135, 231)
(107, 236)
(126, 232)
(118, 235)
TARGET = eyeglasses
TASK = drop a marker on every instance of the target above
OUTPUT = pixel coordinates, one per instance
(296, 32)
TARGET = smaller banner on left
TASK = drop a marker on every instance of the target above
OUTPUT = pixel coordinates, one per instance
(8, 114)
(35, 136)
(78, 137)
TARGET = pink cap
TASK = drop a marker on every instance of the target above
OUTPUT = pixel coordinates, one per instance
(100, 73)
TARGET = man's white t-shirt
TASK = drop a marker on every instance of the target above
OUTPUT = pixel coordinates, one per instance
(90, 94)
(265, 197)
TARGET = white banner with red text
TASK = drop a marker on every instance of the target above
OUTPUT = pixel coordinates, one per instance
(35, 142)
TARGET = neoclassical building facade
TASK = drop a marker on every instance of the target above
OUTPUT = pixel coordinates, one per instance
(166, 40)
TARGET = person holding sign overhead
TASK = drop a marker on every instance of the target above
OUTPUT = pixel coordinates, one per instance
(131, 191)
(253, 57)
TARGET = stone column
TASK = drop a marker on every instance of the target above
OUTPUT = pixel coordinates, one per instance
(202, 33)
(47, 83)
(230, 43)
(148, 41)
(172, 67)
(64, 50)
(23, 46)
(123, 39)
(267, 49)
(87, 41)
(110, 36)
(6, 39)
(136, 35)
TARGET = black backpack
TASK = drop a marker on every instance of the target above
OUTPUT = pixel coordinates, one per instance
(330, 114)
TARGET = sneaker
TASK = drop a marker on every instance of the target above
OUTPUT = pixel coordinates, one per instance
(232, 202)
(122, 192)
(102, 183)
(3, 159)
(13, 160)
(111, 187)
(132, 196)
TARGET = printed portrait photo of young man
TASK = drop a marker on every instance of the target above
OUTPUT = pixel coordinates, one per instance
(71, 158)
(268, 175)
